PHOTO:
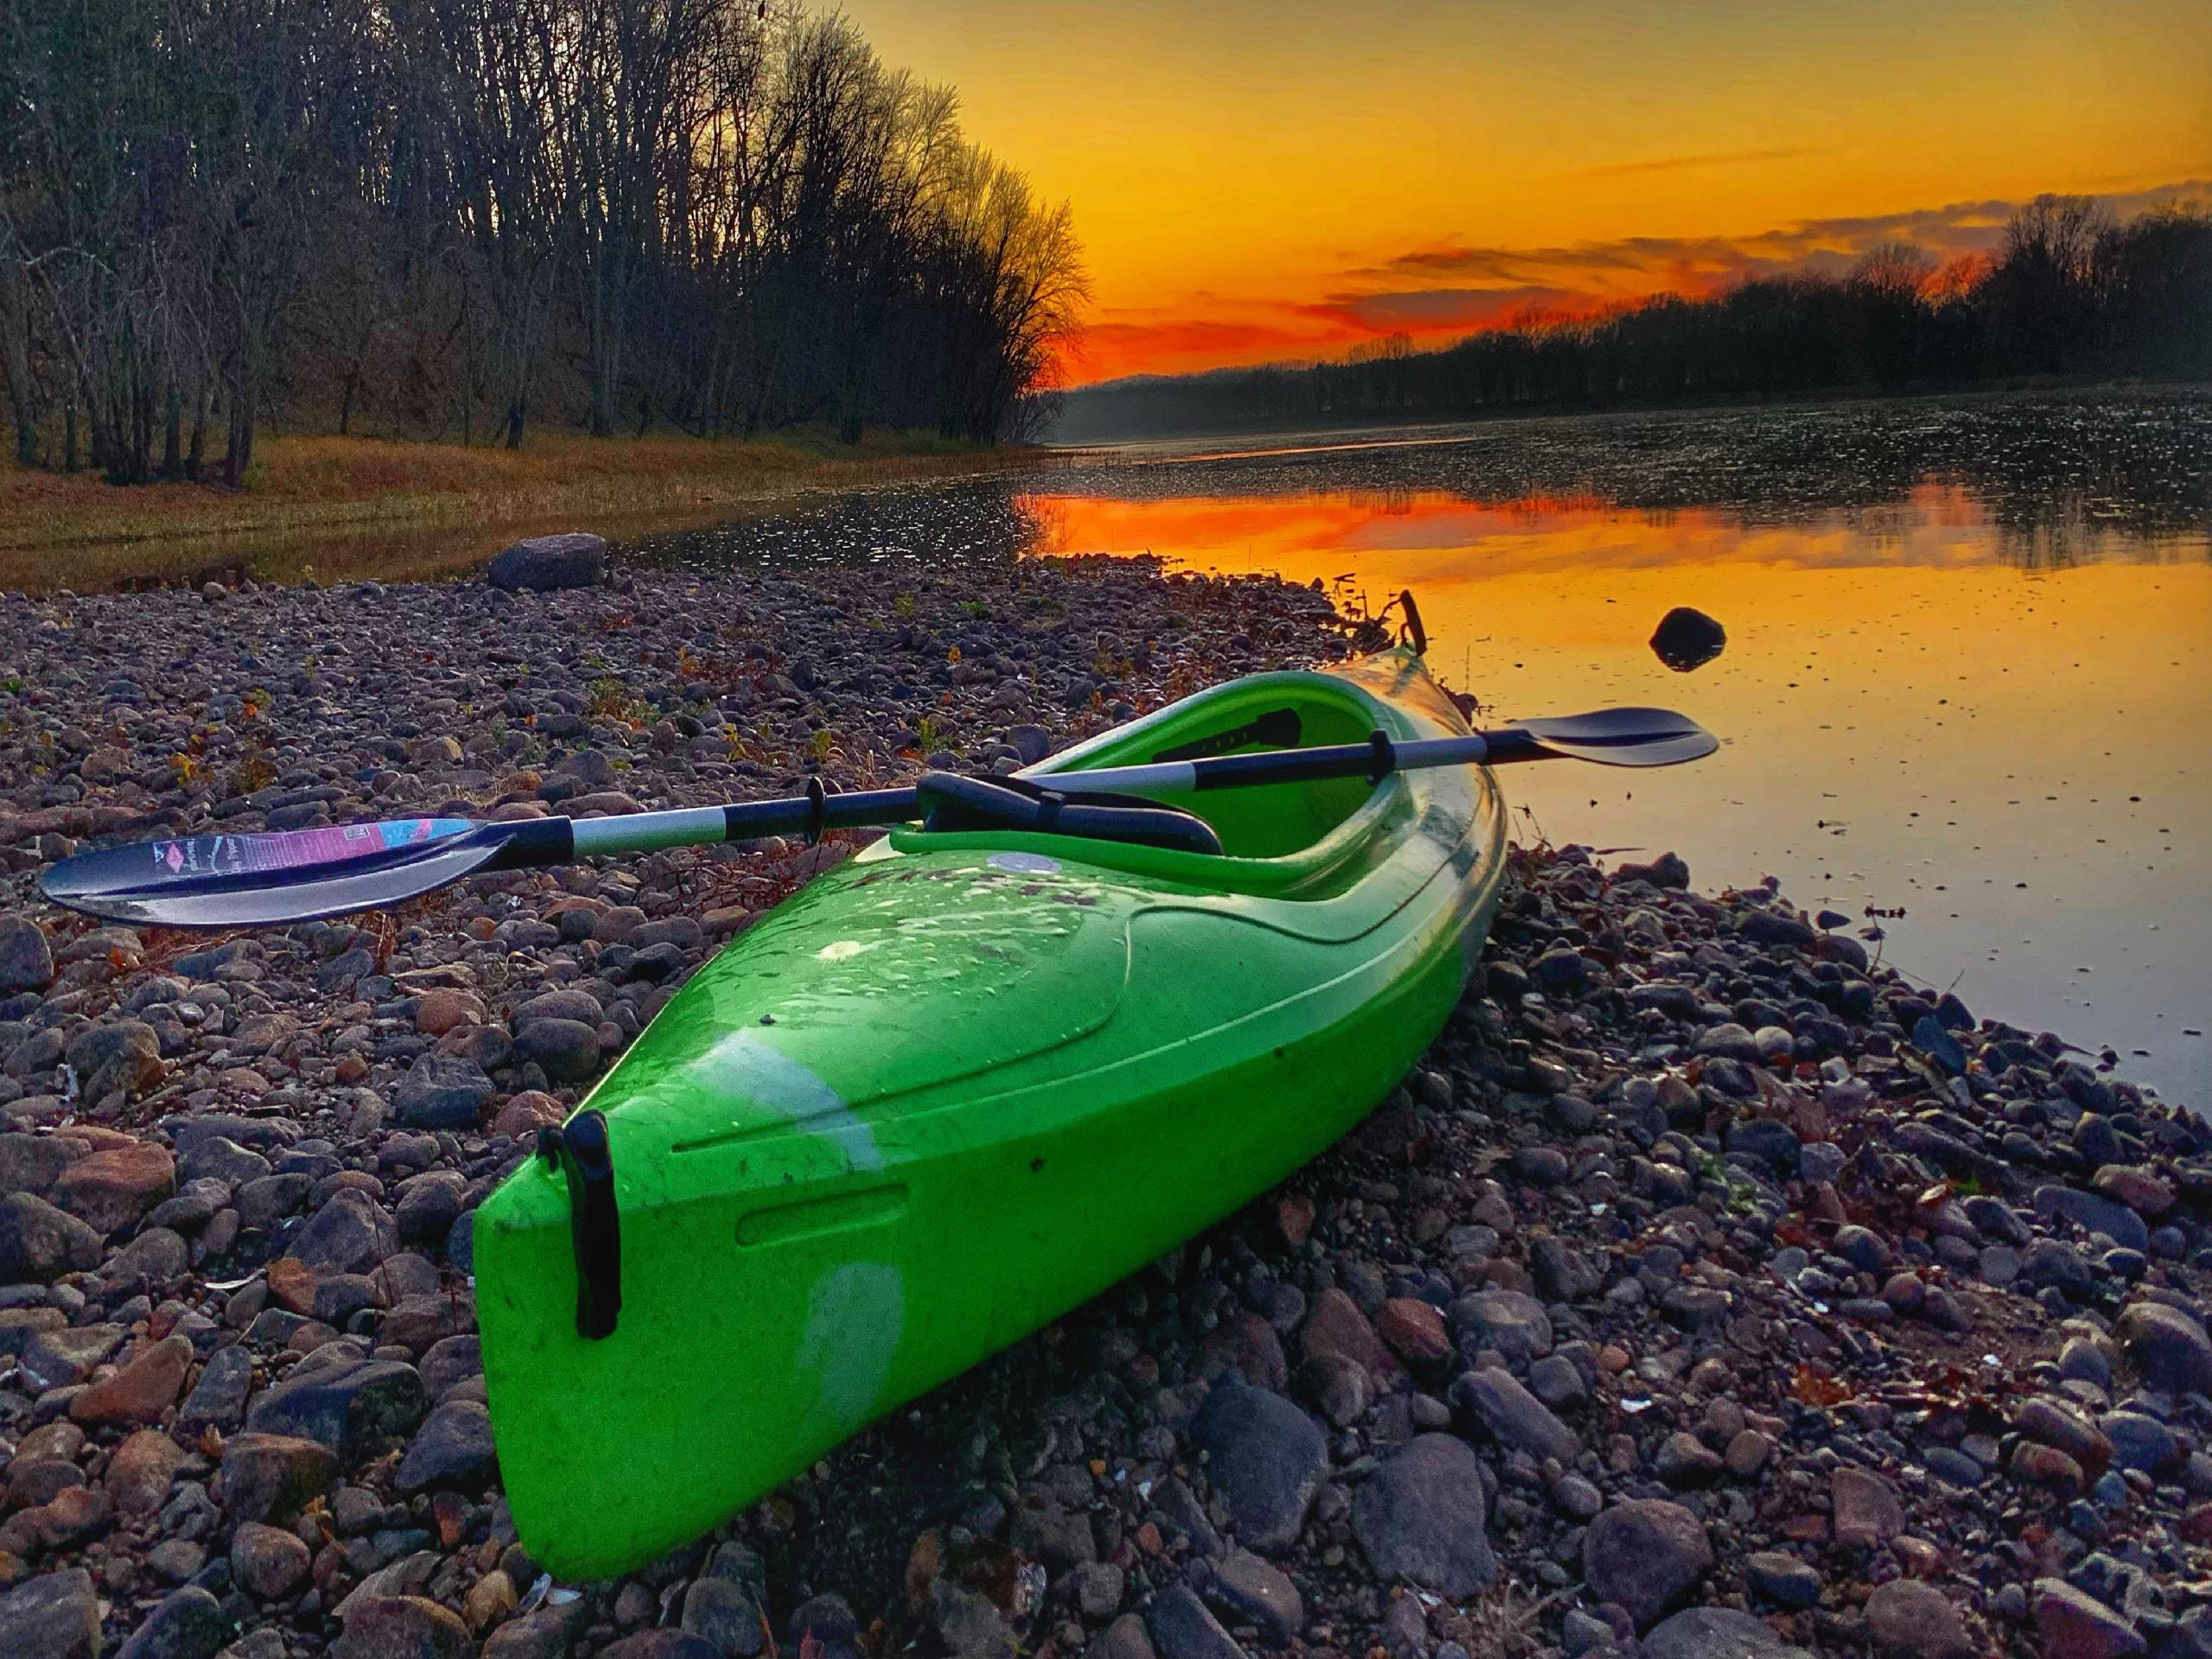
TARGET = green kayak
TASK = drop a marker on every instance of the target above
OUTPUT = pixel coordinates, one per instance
(958, 1085)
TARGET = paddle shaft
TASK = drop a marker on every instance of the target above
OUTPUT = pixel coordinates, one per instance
(563, 841)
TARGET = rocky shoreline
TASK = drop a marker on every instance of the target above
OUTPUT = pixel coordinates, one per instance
(1705, 1289)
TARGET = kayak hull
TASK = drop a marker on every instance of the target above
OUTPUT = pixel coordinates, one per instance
(952, 1089)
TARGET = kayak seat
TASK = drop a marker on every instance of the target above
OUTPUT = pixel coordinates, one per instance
(951, 802)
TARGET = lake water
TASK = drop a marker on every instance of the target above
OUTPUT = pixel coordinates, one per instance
(1964, 676)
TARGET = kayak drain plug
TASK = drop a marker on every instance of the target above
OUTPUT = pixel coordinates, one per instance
(579, 1149)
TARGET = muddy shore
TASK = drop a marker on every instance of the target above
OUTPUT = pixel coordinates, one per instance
(1706, 1287)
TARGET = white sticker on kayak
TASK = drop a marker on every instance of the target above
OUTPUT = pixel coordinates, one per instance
(1024, 863)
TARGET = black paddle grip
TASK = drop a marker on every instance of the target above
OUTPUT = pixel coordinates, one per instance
(533, 843)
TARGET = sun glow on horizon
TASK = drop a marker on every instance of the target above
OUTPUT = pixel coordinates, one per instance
(1283, 182)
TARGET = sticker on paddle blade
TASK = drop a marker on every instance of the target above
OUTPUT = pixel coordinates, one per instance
(296, 849)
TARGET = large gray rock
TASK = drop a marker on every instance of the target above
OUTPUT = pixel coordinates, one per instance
(2115, 1221)
(1265, 1458)
(352, 1233)
(1511, 1322)
(1646, 1554)
(1182, 1629)
(1912, 1617)
(2168, 1348)
(1421, 1516)
(2079, 1626)
(189, 1623)
(26, 959)
(723, 1605)
(401, 1627)
(39, 1243)
(452, 1449)
(53, 1616)
(351, 1408)
(542, 564)
(1250, 1590)
(442, 1091)
(1717, 1633)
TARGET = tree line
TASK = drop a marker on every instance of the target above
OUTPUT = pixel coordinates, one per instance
(464, 219)
(2071, 291)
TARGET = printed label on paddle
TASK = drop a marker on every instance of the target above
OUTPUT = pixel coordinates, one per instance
(298, 849)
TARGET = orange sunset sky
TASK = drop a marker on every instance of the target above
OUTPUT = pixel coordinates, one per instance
(1257, 182)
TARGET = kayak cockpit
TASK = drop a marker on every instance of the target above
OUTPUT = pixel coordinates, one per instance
(1302, 839)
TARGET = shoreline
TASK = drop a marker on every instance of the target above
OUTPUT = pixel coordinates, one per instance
(1703, 1283)
(311, 495)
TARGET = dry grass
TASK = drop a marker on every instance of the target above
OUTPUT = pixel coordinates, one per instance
(344, 506)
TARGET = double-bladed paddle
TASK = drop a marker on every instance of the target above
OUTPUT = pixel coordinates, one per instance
(256, 879)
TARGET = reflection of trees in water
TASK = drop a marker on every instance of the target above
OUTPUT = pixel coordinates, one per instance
(1395, 502)
(2075, 527)
(2137, 454)
(2063, 480)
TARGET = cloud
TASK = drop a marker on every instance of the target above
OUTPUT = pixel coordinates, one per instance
(1431, 309)
(1955, 228)
(1710, 158)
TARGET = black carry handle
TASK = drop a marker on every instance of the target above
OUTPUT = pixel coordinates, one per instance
(581, 1150)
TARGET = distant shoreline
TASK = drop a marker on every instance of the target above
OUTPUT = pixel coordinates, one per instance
(1060, 438)
(310, 501)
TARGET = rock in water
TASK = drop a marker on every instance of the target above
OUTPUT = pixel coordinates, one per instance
(543, 564)
(1688, 639)
(1420, 1516)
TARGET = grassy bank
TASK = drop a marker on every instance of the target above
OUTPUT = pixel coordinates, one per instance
(342, 506)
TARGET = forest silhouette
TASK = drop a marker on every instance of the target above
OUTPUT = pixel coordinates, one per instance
(2069, 292)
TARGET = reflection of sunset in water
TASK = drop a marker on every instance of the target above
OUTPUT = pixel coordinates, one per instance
(1998, 725)
(1440, 539)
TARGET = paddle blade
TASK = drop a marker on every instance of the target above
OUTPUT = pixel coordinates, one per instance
(290, 876)
(1612, 737)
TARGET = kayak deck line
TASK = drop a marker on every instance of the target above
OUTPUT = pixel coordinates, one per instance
(978, 1102)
